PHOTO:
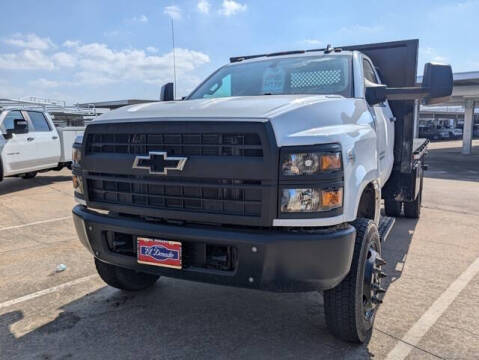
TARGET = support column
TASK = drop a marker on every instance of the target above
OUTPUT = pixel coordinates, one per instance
(416, 119)
(468, 126)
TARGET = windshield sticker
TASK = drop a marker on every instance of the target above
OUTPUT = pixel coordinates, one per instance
(273, 80)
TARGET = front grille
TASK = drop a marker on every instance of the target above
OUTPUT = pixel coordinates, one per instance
(229, 174)
(196, 144)
(230, 197)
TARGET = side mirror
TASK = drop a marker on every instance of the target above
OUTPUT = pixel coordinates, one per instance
(375, 93)
(20, 126)
(436, 87)
(438, 81)
(167, 92)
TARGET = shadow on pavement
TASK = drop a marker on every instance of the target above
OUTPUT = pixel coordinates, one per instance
(396, 248)
(12, 185)
(180, 319)
(449, 163)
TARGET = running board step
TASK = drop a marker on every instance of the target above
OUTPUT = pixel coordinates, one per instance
(385, 226)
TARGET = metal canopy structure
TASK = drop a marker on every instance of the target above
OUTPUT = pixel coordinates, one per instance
(465, 93)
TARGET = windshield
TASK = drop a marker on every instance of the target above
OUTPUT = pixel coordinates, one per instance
(296, 75)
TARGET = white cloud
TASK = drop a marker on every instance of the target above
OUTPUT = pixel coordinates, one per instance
(313, 42)
(63, 59)
(152, 49)
(231, 7)
(71, 43)
(203, 6)
(141, 18)
(28, 59)
(89, 65)
(44, 83)
(29, 41)
(173, 12)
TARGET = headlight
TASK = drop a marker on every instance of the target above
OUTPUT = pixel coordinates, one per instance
(310, 200)
(76, 156)
(309, 163)
(77, 184)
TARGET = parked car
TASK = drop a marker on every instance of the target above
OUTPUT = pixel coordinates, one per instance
(455, 133)
(433, 133)
(30, 143)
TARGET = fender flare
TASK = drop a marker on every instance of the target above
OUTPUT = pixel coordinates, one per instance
(370, 178)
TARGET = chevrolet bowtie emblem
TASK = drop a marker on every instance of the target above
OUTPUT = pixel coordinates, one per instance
(158, 163)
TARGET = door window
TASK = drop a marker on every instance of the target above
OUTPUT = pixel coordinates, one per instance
(369, 73)
(8, 122)
(39, 122)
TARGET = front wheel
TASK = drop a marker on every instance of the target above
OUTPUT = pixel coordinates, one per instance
(124, 279)
(350, 308)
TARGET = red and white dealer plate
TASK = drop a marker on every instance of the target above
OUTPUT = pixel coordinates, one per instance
(159, 252)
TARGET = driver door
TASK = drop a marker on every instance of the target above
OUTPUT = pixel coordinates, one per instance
(18, 153)
(384, 122)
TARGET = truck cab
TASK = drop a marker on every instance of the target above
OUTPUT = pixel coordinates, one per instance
(269, 176)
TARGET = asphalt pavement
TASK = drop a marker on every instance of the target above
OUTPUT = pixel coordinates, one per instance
(430, 310)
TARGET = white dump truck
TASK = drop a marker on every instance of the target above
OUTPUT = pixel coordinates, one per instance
(30, 143)
(269, 175)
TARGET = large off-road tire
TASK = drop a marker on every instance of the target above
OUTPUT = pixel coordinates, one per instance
(350, 307)
(412, 209)
(124, 279)
(29, 175)
(392, 207)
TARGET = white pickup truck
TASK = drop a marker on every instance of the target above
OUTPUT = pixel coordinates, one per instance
(30, 143)
(269, 175)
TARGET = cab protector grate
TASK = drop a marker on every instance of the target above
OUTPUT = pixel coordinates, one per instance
(177, 144)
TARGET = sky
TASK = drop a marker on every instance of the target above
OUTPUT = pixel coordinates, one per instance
(93, 50)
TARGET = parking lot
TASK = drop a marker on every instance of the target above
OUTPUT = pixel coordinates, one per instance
(430, 309)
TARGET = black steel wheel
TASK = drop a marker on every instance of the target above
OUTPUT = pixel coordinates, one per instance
(412, 209)
(350, 308)
(392, 207)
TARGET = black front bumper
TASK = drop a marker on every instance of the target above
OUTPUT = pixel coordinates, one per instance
(269, 259)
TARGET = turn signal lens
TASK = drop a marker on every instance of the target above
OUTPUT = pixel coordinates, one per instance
(331, 162)
(77, 184)
(331, 199)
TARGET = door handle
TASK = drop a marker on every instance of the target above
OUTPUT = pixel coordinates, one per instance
(392, 119)
(54, 137)
(30, 139)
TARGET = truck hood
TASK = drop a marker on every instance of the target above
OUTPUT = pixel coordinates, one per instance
(296, 119)
(243, 107)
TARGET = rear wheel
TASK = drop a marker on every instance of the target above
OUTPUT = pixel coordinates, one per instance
(413, 209)
(350, 308)
(124, 279)
(29, 175)
(392, 207)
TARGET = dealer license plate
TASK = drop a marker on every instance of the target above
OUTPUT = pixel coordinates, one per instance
(159, 252)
